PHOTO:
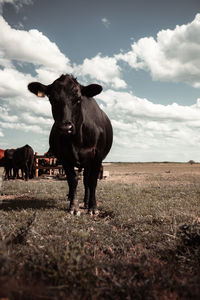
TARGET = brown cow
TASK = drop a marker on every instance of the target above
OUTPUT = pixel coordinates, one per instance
(2, 158)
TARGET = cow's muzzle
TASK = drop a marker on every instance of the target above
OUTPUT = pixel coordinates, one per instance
(67, 128)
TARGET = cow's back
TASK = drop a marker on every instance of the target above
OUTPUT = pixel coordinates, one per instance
(23, 156)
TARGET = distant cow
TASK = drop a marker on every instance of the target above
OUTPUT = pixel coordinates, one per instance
(20, 158)
(8, 164)
(2, 158)
(81, 135)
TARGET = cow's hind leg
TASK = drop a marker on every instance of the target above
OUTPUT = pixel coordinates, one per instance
(72, 180)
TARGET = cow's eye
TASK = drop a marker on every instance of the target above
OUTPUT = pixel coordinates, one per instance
(77, 101)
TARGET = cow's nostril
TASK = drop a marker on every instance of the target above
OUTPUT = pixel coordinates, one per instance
(67, 123)
(68, 127)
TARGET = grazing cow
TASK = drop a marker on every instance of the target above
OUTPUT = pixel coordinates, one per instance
(20, 158)
(2, 158)
(81, 135)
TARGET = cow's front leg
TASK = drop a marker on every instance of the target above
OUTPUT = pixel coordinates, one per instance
(72, 180)
(92, 183)
(86, 174)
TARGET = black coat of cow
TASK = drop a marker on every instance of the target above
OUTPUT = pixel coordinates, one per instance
(8, 164)
(81, 135)
(20, 158)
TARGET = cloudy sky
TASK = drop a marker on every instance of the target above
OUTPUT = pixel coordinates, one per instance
(145, 54)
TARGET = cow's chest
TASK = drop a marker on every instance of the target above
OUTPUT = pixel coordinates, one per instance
(70, 153)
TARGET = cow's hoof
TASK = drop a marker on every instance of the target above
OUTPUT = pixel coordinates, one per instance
(75, 212)
(93, 212)
(78, 213)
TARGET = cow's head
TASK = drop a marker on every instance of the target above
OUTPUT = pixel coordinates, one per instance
(65, 95)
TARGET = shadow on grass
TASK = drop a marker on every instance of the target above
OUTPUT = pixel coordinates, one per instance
(25, 203)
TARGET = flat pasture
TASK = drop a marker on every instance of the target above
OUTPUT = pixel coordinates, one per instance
(143, 244)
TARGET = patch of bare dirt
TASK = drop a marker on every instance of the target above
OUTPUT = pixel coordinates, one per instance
(153, 173)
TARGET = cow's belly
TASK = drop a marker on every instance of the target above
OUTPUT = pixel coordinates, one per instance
(76, 157)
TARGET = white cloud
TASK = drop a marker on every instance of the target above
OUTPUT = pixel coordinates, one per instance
(105, 22)
(14, 93)
(129, 57)
(103, 69)
(13, 83)
(173, 56)
(4, 115)
(35, 119)
(151, 131)
(1, 135)
(32, 47)
(130, 106)
(23, 127)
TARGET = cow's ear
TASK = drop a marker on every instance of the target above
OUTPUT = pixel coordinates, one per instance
(37, 88)
(91, 90)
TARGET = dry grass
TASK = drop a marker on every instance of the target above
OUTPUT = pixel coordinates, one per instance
(144, 244)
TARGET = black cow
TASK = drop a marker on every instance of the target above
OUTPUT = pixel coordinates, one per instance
(20, 158)
(8, 164)
(81, 135)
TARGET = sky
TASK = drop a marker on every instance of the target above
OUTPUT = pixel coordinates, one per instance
(145, 54)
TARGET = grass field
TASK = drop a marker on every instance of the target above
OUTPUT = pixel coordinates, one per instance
(144, 244)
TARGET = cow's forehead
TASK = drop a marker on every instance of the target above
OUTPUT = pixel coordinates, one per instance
(67, 78)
